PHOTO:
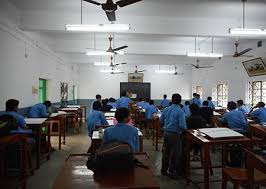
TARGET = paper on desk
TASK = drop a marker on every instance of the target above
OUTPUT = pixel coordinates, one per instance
(216, 113)
(109, 114)
(220, 132)
(32, 121)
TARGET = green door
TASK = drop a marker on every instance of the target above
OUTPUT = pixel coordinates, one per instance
(42, 90)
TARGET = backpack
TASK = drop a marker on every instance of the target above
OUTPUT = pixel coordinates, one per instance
(111, 157)
(7, 123)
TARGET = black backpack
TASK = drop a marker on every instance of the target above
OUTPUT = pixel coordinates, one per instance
(111, 157)
(7, 123)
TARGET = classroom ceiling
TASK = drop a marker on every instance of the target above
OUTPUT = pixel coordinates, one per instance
(162, 31)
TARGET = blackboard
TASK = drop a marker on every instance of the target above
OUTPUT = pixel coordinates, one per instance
(143, 90)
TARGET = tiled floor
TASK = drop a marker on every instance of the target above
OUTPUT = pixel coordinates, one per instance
(79, 143)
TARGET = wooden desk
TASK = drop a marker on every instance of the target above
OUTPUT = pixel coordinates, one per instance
(193, 136)
(61, 117)
(257, 130)
(75, 175)
(77, 115)
(36, 124)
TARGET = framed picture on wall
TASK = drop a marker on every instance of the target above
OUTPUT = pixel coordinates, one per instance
(135, 77)
(255, 67)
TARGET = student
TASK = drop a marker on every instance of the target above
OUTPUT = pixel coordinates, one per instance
(95, 118)
(194, 99)
(199, 101)
(174, 123)
(122, 131)
(241, 107)
(186, 109)
(260, 113)
(124, 101)
(234, 118)
(206, 112)
(98, 98)
(151, 110)
(111, 102)
(140, 103)
(165, 103)
(105, 107)
(40, 110)
(210, 103)
(146, 103)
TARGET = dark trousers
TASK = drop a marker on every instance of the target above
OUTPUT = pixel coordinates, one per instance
(172, 154)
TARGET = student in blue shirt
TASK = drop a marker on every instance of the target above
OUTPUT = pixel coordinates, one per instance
(241, 107)
(210, 103)
(146, 103)
(151, 110)
(174, 123)
(98, 98)
(111, 102)
(95, 118)
(260, 113)
(165, 103)
(186, 109)
(122, 131)
(234, 118)
(124, 101)
(40, 110)
(140, 103)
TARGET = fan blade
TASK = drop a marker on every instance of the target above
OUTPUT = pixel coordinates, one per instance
(205, 66)
(117, 72)
(111, 16)
(244, 51)
(93, 2)
(123, 63)
(193, 65)
(179, 73)
(124, 3)
(120, 48)
(141, 71)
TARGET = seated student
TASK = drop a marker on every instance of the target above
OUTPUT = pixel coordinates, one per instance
(146, 103)
(151, 110)
(260, 113)
(234, 118)
(196, 99)
(123, 101)
(241, 107)
(98, 98)
(165, 103)
(174, 123)
(122, 131)
(40, 110)
(210, 103)
(199, 101)
(206, 112)
(186, 109)
(195, 120)
(105, 107)
(111, 102)
(140, 103)
(95, 118)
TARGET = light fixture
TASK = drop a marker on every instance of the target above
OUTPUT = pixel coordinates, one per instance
(244, 30)
(101, 63)
(98, 27)
(110, 71)
(103, 53)
(165, 71)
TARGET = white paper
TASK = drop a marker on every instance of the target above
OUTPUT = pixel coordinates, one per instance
(220, 132)
(35, 121)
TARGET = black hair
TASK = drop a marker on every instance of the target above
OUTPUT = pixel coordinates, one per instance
(194, 94)
(194, 108)
(124, 93)
(209, 98)
(121, 114)
(151, 102)
(187, 103)
(164, 96)
(176, 98)
(261, 104)
(111, 99)
(98, 97)
(140, 99)
(104, 102)
(205, 103)
(240, 102)
(231, 105)
(47, 103)
(96, 105)
(12, 105)
(198, 95)
(147, 100)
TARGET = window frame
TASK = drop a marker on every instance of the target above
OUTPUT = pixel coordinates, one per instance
(261, 90)
(220, 94)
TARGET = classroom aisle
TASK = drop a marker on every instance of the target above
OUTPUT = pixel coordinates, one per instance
(79, 143)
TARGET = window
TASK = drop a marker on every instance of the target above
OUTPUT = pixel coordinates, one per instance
(257, 92)
(42, 90)
(198, 90)
(220, 94)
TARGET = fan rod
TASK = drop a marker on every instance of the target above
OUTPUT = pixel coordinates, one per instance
(244, 12)
(81, 12)
(195, 44)
(212, 44)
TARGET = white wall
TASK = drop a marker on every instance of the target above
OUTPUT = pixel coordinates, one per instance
(93, 82)
(23, 60)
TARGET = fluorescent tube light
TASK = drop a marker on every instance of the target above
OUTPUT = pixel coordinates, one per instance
(98, 27)
(101, 63)
(206, 55)
(165, 71)
(246, 31)
(110, 71)
(103, 53)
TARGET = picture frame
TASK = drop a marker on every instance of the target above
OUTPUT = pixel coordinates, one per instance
(135, 77)
(255, 67)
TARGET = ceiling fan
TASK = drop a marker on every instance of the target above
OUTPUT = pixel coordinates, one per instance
(112, 64)
(197, 66)
(238, 54)
(115, 72)
(110, 7)
(139, 71)
(176, 72)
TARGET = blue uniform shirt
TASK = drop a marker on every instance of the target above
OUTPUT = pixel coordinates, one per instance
(38, 111)
(243, 109)
(123, 102)
(145, 105)
(141, 104)
(260, 114)
(173, 119)
(211, 105)
(113, 104)
(165, 103)
(123, 133)
(150, 110)
(196, 101)
(187, 111)
(95, 118)
(235, 120)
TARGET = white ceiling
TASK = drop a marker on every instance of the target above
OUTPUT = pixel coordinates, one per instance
(162, 30)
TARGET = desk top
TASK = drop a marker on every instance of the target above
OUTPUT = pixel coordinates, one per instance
(73, 106)
(216, 113)
(35, 121)
(75, 175)
(57, 114)
(69, 109)
(99, 135)
(109, 114)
